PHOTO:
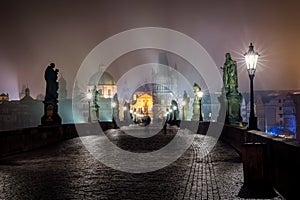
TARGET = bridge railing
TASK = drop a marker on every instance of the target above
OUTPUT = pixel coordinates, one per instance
(283, 157)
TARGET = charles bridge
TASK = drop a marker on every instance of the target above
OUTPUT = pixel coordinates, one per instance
(51, 163)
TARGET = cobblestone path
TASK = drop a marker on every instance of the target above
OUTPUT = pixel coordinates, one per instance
(68, 171)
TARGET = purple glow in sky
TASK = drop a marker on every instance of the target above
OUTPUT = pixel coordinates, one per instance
(35, 33)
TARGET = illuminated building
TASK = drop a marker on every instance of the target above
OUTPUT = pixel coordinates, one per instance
(4, 97)
(142, 102)
(104, 87)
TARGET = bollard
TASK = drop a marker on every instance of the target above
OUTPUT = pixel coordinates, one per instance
(256, 164)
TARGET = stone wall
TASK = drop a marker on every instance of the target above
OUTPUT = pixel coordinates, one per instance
(20, 140)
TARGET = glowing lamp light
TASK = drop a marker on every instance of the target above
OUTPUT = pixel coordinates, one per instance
(89, 95)
(200, 94)
(251, 58)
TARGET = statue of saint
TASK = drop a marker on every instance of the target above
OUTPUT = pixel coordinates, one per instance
(196, 90)
(186, 107)
(51, 116)
(230, 79)
(232, 96)
(51, 76)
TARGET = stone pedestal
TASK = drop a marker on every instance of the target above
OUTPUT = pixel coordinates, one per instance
(196, 111)
(234, 108)
(50, 116)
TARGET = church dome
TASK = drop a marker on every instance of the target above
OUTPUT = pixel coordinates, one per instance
(106, 79)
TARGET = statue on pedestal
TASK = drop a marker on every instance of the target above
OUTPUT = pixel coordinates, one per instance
(230, 95)
(51, 116)
(186, 106)
(95, 104)
(196, 103)
(173, 118)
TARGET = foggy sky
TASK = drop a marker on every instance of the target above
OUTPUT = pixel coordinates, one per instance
(35, 33)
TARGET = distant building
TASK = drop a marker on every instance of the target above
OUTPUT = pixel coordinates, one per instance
(165, 80)
(289, 115)
(275, 112)
(260, 113)
(103, 84)
(296, 98)
(26, 112)
(4, 97)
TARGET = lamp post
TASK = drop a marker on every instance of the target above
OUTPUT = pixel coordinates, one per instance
(89, 97)
(200, 95)
(251, 58)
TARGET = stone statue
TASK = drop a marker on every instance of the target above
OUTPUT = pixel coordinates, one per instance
(196, 104)
(51, 76)
(173, 118)
(230, 75)
(196, 90)
(186, 108)
(51, 116)
(231, 96)
(95, 104)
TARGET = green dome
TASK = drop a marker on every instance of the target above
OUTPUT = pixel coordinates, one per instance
(106, 79)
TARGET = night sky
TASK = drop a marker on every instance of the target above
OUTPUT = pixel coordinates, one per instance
(35, 33)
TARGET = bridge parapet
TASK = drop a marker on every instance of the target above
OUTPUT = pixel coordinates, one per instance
(25, 139)
(283, 157)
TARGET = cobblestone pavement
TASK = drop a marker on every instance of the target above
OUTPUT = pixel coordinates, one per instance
(68, 171)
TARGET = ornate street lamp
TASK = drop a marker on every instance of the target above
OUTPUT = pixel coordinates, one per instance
(251, 58)
(200, 95)
(89, 97)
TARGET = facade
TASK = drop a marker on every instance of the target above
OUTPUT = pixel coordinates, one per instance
(260, 114)
(142, 103)
(275, 111)
(4, 97)
(289, 115)
(26, 112)
(165, 87)
(296, 99)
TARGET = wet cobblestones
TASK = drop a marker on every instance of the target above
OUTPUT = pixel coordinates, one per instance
(68, 171)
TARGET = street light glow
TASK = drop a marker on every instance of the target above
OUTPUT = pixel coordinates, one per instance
(251, 58)
(89, 95)
(200, 94)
